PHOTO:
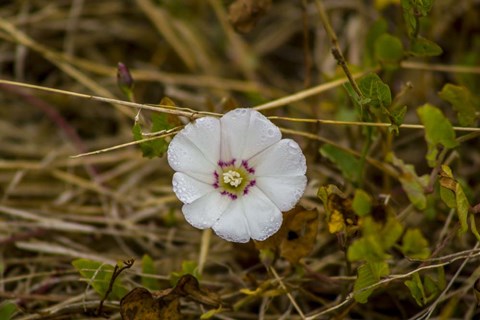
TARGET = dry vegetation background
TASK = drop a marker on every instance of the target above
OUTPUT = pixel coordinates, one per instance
(118, 205)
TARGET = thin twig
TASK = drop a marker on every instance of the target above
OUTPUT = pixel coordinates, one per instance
(116, 272)
(336, 51)
(289, 295)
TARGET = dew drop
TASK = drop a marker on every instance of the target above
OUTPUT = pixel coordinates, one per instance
(271, 133)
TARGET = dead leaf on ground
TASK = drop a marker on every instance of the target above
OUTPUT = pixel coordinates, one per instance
(296, 237)
(141, 304)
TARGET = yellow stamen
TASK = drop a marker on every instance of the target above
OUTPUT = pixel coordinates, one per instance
(232, 178)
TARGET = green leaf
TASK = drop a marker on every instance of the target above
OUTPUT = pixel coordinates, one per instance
(188, 267)
(414, 245)
(378, 28)
(376, 240)
(367, 275)
(7, 310)
(448, 197)
(357, 100)
(423, 7)
(148, 267)
(160, 122)
(431, 288)
(388, 49)
(398, 114)
(413, 185)
(438, 131)
(462, 208)
(411, 21)
(448, 186)
(424, 292)
(98, 276)
(390, 232)
(348, 164)
(412, 10)
(422, 47)
(473, 227)
(416, 289)
(362, 203)
(367, 248)
(157, 147)
(462, 102)
(373, 88)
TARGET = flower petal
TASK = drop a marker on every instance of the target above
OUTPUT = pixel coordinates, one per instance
(263, 216)
(283, 159)
(189, 189)
(252, 216)
(284, 192)
(205, 211)
(205, 135)
(184, 156)
(232, 225)
(246, 132)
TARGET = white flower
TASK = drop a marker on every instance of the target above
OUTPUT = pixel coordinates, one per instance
(236, 175)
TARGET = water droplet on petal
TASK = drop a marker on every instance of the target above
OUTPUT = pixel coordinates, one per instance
(292, 147)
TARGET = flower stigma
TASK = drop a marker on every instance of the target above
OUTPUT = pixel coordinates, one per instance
(234, 180)
(232, 177)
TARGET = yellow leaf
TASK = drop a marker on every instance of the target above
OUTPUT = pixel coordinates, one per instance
(336, 222)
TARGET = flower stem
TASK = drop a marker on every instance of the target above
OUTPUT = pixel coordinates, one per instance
(205, 245)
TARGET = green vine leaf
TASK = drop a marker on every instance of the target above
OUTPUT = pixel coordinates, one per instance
(462, 102)
(389, 49)
(98, 275)
(368, 274)
(413, 185)
(438, 131)
(376, 90)
(414, 245)
(422, 47)
(348, 164)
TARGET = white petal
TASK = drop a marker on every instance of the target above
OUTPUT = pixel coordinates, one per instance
(189, 189)
(205, 211)
(232, 225)
(263, 216)
(184, 156)
(246, 132)
(205, 135)
(284, 158)
(283, 191)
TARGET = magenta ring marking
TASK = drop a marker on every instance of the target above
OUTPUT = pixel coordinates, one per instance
(223, 164)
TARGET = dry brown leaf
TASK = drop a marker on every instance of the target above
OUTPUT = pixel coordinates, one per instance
(140, 304)
(296, 237)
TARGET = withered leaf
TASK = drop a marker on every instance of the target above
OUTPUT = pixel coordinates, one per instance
(296, 237)
(338, 207)
(244, 14)
(140, 304)
(446, 178)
